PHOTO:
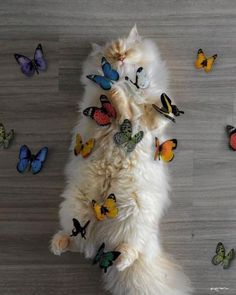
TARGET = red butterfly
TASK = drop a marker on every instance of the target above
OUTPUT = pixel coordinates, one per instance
(103, 115)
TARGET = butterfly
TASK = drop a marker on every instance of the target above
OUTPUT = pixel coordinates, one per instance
(141, 80)
(5, 137)
(105, 259)
(78, 229)
(30, 66)
(110, 75)
(164, 151)
(167, 108)
(103, 115)
(83, 149)
(34, 162)
(220, 256)
(124, 137)
(107, 209)
(202, 62)
(232, 136)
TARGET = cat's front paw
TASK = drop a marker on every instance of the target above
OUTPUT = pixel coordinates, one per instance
(60, 243)
(127, 257)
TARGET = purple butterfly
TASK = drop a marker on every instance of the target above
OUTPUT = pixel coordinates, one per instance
(29, 66)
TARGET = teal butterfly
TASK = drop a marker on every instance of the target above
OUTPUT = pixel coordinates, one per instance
(125, 136)
(105, 259)
(5, 137)
(220, 256)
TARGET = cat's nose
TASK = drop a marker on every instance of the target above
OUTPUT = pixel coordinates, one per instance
(122, 58)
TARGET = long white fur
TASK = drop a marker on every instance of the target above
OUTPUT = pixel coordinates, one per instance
(139, 183)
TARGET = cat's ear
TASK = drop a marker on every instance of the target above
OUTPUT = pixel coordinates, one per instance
(95, 47)
(134, 35)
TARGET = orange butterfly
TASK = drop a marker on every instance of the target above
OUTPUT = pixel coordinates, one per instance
(107, 209)
(83, 149)
(164, 151)
(204, 62)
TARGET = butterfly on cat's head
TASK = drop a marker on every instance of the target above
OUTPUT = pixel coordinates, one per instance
(30, 66)
(103, 115)
(84, 149)
(107, 209)
(165, 151)
(110, 76)
(203, 62)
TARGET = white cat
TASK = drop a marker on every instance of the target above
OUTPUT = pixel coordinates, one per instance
(139, 183)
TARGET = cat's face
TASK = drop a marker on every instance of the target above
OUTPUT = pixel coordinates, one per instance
(125, 52)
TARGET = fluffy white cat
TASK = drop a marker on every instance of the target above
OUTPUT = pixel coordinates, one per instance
(139, 183)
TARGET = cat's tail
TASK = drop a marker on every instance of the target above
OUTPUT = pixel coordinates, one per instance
(159, 276)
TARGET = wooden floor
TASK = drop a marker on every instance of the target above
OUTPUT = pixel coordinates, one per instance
(42, 110)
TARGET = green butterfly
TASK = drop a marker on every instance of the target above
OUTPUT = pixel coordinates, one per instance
(105, 259)
(221, 258)
(5, 138)
(125, 136)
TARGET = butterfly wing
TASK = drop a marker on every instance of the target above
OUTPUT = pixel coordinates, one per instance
(2, 135)
(26, 64)
(97, 114)
(87, 148)
(24, 159)
(108, 71)
(103, 82)
(110, 205)
(78, 144)
(220, 254)
(8, 138)
(163, 112)
(141, 78)
(77, 227)
(107, 259)
(130, 146)
(200, 59)
(228, 258)
(107, 106)
(97, 211)
(37, 163)
(157, 151)
(99, 254)
(125, 133)
(166, 150)
(39, 60)
(209, 63)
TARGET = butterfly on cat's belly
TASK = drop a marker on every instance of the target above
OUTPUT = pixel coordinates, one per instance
(110, 75)
(85, 149)
(103, 115)
(107, 209)
(30, 66)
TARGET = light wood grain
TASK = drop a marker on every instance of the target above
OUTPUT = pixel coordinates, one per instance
(42, 110)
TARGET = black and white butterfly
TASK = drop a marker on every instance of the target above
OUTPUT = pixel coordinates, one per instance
(141, 80)
(30, 66)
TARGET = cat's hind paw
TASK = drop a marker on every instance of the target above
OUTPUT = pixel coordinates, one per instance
(127, 257)
(60, 243)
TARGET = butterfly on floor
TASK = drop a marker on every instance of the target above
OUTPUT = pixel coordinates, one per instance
(221, 258)
(165, 150)
(105, 259)
(28, 160)
(84, 149)
(110, 75)
(104, 115)
(167, 108)
(231, 130)
(30, 66)
(5, 137)
(202, 62)
(125, 138)
(141, 80)
(107, 209)
(78, 229)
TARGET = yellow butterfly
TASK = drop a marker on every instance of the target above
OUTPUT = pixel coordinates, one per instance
(204, 62)
(164, 151)
(83, 149)
(107, 209)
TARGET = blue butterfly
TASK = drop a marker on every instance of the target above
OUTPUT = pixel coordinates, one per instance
(34, 162)
(110, 75)
(29, 66)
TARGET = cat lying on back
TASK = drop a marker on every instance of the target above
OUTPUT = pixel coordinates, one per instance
(139, 183)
